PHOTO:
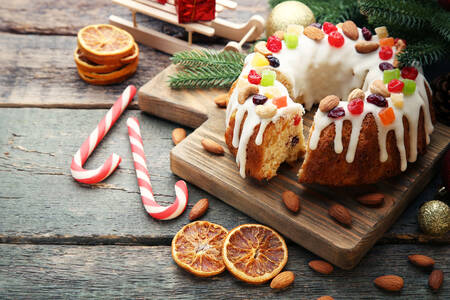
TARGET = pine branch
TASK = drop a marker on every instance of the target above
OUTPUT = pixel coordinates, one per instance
(197, 58)
(425, 52)
(205, 77)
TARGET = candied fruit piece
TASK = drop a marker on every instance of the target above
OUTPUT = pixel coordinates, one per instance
(259, 60)
(274, 62)
(387, 116)
(385, 53)
(297, 119)
(397, 99)
(259, 99)
(387, 42)
(253, 77)
(280, 101)
(272, 92)
(381, 32)
(388, 75)
(367, 34)
(377, 100)
(395, 86)
(356, 106)
(336, 39)
(274, 44)
(336, 112)
(385, 66)
(410, 87)
(291, 40)
(294, 28)
(410, 73)
(268, 77)
(329, 27)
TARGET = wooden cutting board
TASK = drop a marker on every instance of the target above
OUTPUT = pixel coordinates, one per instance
(311, 228)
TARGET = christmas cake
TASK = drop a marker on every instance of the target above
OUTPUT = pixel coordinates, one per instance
(373, 116)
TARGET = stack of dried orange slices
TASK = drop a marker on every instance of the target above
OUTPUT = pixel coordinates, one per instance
(105, 54)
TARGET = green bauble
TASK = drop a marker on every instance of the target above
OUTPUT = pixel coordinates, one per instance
(434, 217)
(288, 12)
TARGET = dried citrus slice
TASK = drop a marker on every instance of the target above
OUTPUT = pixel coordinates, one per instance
(254, 253)
(126, 69)
(97, 81)
(105, 43)
(86, 65)
(132, 57)
(197, 248)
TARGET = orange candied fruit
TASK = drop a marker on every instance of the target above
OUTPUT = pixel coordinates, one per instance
(387, 42)
(280, 101)
(387, 116)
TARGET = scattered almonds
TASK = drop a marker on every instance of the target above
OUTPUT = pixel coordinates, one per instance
(435, 279)
(328, 103)
(282, 280)
(381, 32)
(350, 30)
(279, 34)
(246, 91)
(391, 283)
(261, 48)
(321, 266)
(199, 209)
(371, 199)
(221, 100)
(378, 87)
(325, 298)
(366, 46)
(340, 214)
(356, 94)
(421, 260)
(178, 134)
(291, 200)
(212, 147)
(314, 33)
(266, 111)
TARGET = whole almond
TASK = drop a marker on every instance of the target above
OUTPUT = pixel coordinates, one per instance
(266, 111)
(366, 46)
(199, 209)
(325, 298)
(328, 103)
(378, 87)
(261, 48)
(435, 279)
(291, 200)
(212, 147)
(340, 214)
(279, 34)
(321, 266)
(178, 134)
(391, 283)
(246, 91)
(421, 260)
(221, 100)
(350, 30)
(282, 280)
(356, 94)
(314, 33)
(371, 199)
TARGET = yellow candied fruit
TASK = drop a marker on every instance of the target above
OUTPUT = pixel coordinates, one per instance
(397, 99)
(272, 92)
(259, 60)
(381, 32)
(339, 25)
(294, 28)
(245, 76)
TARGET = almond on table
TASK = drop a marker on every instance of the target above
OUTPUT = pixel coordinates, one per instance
(199, 209)
(212, 147)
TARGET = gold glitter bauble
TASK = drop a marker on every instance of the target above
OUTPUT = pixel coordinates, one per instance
(434, 217)
(288, 12)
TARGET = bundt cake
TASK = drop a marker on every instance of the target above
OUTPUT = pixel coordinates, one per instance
(372, 119)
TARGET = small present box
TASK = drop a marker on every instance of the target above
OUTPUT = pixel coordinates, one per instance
(195, 10)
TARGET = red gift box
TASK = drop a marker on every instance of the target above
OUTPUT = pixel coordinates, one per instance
(195, 10)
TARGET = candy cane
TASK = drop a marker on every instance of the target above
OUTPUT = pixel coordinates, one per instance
(93, 176)
(143, 177)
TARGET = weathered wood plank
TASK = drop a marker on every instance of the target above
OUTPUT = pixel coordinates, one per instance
(112, 272)
(41, 203)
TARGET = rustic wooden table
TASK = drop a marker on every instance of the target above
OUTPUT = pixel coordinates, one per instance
(62, 239)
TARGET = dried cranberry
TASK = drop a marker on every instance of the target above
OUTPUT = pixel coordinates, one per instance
(253, 77)
(274, 62)
(259, 99)
(274, 44)
(336, 39)
(395, 86)
(294, 141)
(329, 27)
(410, 73)
(366, 34)
(317, 25)
(337, 112)
(385, 53)
(356, 106)
(385, 66)
(378, 100)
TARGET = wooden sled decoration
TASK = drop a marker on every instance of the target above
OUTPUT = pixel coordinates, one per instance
(245, 32)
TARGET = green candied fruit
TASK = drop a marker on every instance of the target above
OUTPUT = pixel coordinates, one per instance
(388, 75)
(409, 88)
(291, 40)
(268, 77)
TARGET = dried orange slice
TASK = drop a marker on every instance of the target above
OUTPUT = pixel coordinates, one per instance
(104, 43)
(126, 69)
(254, 253)
(86, 65)
(96, 81)
(197, 248)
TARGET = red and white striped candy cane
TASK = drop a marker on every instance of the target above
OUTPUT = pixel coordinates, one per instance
(154, 209)
(93, 176)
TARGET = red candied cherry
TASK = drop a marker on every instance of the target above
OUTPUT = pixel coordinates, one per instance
(329, 27)
(337, 112)
(385, 53)
(409, 73)
(336, 39)
(274, 44)
(356, 106)
(395, 86)
(297, 119)
(253, 77)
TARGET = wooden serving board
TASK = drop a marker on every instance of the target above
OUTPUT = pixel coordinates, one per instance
(311, 228)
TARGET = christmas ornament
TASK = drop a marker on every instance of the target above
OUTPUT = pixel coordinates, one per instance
(288, 12)
(434, 217)
(441, 98)
(195, 10)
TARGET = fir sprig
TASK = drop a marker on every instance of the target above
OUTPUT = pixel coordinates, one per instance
(198, 58)
(425, 52)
